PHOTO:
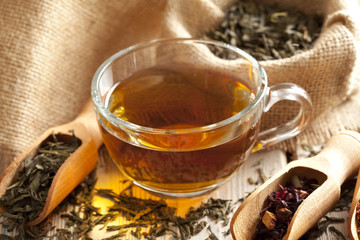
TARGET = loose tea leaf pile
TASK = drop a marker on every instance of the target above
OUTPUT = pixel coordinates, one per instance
(147, 218)
(282, 205)
(150, 219)
(267, 32)
(25, 198)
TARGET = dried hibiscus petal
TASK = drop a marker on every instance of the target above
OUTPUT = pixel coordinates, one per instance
(277, 216)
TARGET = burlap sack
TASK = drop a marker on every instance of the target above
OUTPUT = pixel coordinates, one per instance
(49, 51)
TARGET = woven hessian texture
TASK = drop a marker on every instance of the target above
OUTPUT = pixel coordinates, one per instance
(49, 51)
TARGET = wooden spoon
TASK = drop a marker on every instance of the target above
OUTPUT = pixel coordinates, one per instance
(339, 160)
(73, 170)
(352, 225)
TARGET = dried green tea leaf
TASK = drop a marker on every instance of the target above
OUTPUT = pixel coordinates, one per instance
(266, 32)
(25, 198)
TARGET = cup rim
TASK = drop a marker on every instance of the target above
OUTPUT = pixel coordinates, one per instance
(116, 121)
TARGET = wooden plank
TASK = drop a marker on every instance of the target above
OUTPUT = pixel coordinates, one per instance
(239, 186)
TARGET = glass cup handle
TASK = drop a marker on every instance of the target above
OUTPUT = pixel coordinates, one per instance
(292, 92)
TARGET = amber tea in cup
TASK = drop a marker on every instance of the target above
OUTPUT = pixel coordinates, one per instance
(178, 120)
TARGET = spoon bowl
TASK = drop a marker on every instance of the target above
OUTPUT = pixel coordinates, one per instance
(339, 160)
(75, 168)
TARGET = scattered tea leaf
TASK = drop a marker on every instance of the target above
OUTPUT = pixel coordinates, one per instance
(337, 233)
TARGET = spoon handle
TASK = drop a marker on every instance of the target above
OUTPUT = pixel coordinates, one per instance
(340, 157)
(87, 118)
(339, 160)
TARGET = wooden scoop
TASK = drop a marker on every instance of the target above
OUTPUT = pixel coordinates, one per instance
(73, 170)
(352, 225)
(339, 160)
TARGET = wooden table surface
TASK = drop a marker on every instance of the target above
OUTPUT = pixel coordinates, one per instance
(238, 187)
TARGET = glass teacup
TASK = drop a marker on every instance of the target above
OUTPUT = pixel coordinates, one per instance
(179, 120)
